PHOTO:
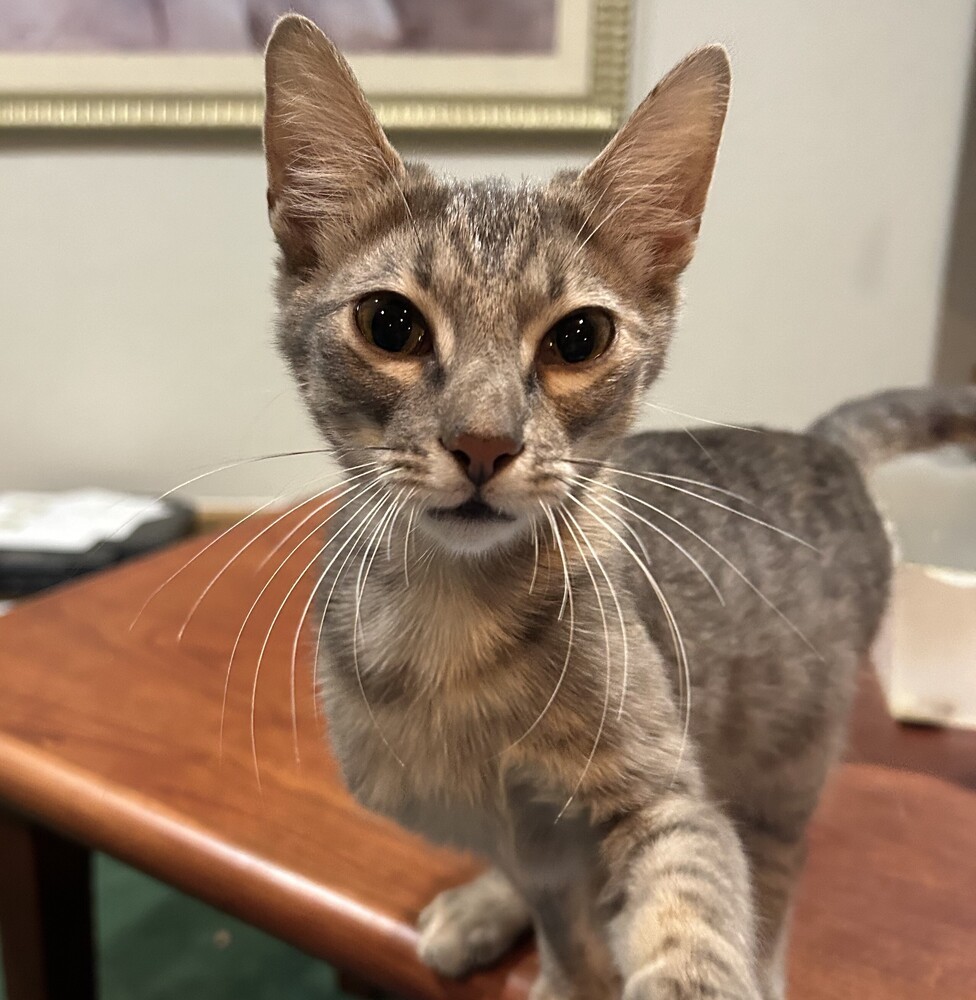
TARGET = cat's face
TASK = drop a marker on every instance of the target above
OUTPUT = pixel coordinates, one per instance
(474, 350)
(478, 342)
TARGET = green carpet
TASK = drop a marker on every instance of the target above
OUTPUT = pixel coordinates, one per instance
(156, 944)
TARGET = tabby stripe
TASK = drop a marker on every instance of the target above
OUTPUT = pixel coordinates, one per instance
(711, 877)
(710, 966)
(707, 907)
(693, 988)
(654, 836)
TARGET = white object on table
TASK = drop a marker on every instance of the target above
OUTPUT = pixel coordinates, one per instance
(926, 655)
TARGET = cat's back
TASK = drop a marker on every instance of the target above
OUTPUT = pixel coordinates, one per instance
(778, 505)
(774, 563)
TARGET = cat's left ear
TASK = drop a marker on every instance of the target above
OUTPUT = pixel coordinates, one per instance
(650, 183)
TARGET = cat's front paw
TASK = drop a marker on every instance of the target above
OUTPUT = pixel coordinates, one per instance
(471, 926)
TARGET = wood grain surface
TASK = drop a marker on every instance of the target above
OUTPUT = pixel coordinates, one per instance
(111, 733)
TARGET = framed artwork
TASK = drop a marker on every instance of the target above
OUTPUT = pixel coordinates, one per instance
(426, 64)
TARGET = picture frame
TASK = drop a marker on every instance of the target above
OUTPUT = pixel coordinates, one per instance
(580, 85)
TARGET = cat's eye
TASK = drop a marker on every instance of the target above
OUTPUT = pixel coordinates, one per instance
(392, 323)
(580, 336)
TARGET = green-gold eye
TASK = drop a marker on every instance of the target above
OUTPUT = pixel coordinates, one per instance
(392, 323)
(579, 336)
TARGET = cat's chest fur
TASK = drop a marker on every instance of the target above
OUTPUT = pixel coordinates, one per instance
(442, 678)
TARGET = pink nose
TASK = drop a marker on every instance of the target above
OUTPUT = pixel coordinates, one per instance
(482, 457)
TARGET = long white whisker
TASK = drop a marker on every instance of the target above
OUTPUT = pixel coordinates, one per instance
(390, 526)
(570, 521)
(202, 552)
(292, 688)
(222, 468)
(660, 531)
(370, 467)
(277, 615)
(427, 557)
(569, 644)
(721, 555)
(361, 528)
(655, 481)
(374, 542)
(685, 670)
(704, 420)
(535, 561)
(211, 543)
(616, 604)
(362, 491)
(237, 463)
(406, 547)
(576, 480)
(557, 540)
(669, 477)
(694, 437)
(250, 611)
(240, 552)
(385, 521)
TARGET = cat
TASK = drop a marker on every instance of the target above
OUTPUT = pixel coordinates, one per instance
(616, 666)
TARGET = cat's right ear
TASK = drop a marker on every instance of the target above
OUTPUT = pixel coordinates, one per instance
(327, 155)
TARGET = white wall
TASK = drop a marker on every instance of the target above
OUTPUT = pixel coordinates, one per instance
(134, 273)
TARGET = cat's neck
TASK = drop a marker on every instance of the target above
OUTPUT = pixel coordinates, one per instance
(439, 619)
(508, 567)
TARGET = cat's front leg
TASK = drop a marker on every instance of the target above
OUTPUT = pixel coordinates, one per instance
(685, 927)
(574, 960)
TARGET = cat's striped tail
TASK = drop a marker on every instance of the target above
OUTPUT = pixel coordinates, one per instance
(876, 428)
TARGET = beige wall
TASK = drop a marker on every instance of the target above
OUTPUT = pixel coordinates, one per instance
(956, 353)
(134, 275)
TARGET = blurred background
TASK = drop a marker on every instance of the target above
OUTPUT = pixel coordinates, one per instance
(136, 269)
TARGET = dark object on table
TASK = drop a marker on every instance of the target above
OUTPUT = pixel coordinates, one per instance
(46, 539)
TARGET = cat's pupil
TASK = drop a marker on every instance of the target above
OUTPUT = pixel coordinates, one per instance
(575, 338)
(392, 322)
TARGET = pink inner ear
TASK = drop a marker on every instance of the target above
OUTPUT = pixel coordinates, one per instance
(652, 179)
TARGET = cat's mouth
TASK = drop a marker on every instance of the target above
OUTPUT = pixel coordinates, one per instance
(471, 511)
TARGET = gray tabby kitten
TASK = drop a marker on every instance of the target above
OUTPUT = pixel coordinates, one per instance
(618, 667)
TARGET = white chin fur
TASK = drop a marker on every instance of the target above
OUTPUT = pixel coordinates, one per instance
(470, 537)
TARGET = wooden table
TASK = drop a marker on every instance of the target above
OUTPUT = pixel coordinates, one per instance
(110, 739)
